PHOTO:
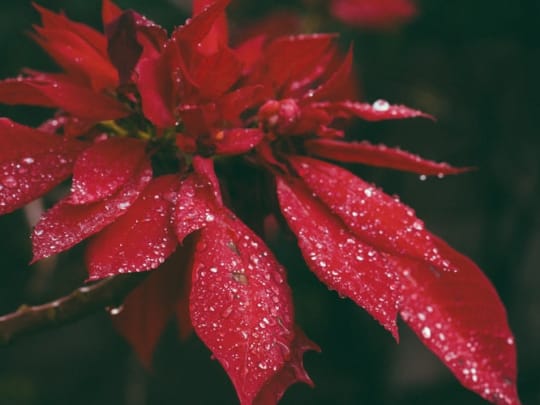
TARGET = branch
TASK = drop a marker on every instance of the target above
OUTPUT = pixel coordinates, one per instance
(84, 301)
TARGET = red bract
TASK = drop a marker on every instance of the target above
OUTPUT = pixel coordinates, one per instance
(141, 120)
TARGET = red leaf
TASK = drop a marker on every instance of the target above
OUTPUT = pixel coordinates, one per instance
(196, 205)
(302, 53)
(337, 85)
(78, 48)
(240, 304)
(142, 238)
(378, 155)
(462, 320)
(218, 34)
(60, 92)
(373, 216)
(146, 311)
(238, 140)
(198, 27)
(338, 258)
(123, 48)
(109, 12)
(378, 111)
(105, 167)
(157, 88)
(216, 73)
(65, 225)
(291, 372)
(205, 167)
(31, 163)
(232, 104)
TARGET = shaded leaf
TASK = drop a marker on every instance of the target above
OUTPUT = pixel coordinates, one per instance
(142, 238)
(145, 312)
(380, 110)
(238, 140)
(65, 224)
(339, 259)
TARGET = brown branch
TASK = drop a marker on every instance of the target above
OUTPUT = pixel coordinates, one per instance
(81, 302)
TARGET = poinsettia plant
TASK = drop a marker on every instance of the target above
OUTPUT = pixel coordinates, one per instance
(148, 126)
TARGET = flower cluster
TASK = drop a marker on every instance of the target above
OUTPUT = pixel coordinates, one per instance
(147, 125)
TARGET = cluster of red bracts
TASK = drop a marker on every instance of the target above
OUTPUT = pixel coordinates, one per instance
(140, 118)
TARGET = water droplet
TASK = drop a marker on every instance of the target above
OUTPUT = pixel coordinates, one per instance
(38, 232)
(381, 105)
(28, 160)
(10, 182)
(262, 366)
(209, 217)
(115, 311)
(423, 177)
(213, 270)
(227, 311)
(510, 340)
(426, 332)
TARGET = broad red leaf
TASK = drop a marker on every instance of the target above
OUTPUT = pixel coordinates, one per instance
(66, 224)
(380, 110)
(146, 311)
(460, 317)
(142, 238)
(54, 91)
(373, 216)
(378, 155)
(377, 14)
(240, 304)
(196, 205)
(339, 259)
(238, 140)
(105, 167)
(31, 163)
(291, 372)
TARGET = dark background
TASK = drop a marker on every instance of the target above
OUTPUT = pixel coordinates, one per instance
(475, 65)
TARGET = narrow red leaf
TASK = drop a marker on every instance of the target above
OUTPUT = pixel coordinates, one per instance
(460, 317)
(123, 48)
(238, 140)
(65, 225)
(232, 104)
(341, 261)
(157, 88)
(240, 305)
(205, 166)
(378, 155)
(373, 216)
(291, 372)
(31, 163)
(145, 312)
(380, 110)
(142, 238)
(105, 167)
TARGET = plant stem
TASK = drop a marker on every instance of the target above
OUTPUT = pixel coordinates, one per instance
(83, 301)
